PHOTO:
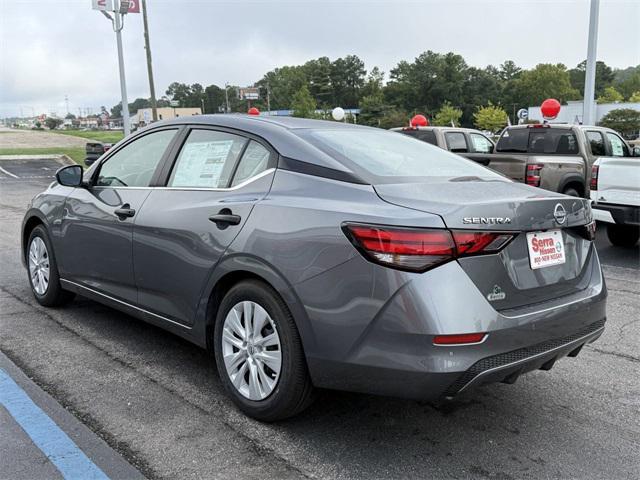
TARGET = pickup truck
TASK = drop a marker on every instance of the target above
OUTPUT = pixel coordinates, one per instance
(556, 157)
(615, 196)
(467, 142)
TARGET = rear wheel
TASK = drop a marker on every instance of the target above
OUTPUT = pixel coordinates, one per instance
(259, 353)
(623, 235)
(43, 270)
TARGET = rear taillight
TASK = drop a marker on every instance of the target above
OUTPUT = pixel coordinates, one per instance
(419, 249)
(594, 177)
(533, 174)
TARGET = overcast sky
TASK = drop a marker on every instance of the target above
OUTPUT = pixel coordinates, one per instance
(53, 48)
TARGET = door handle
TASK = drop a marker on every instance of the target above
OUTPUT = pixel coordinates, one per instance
(224, 218)
(125, 211)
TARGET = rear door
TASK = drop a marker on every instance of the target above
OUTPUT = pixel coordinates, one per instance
(190, 219)
(97, 226)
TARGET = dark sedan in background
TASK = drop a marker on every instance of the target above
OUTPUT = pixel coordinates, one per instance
(308, 254)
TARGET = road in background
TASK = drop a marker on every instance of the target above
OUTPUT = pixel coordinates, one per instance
(158, 400)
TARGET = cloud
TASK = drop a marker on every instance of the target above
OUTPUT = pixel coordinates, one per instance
(51, 49)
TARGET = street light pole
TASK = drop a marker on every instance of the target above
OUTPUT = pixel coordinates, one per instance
(226, 97)
(588, 112)
(118, 24)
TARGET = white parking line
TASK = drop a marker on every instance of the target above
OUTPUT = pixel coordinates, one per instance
(8, 173)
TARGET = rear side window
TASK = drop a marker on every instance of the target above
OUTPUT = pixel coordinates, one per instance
(255, 160)
(547, 141)
(207, 160)
(456, 142)
(618, 147)
(481, 144)
(428, 136)
(596, 142)
(385, 157)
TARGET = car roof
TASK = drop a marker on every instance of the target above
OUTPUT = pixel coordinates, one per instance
(278, 131)
(437, 127)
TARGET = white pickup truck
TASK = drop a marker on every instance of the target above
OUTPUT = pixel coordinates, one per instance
(615, 196)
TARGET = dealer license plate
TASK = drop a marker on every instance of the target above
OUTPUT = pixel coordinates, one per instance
(545, 249)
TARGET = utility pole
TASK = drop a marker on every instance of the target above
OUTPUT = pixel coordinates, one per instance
(226, 97)
(152, 88)
(66, 101)
(268, 98)
(588, 112)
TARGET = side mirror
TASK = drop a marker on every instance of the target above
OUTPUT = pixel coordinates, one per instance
(635, 152)
(70, 176)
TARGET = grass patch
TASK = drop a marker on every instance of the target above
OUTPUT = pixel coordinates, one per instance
(76, 154)
(107, 136)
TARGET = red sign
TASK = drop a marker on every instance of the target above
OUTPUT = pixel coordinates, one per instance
(134, 6)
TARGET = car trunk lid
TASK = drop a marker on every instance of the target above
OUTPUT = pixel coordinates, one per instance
(506, 279)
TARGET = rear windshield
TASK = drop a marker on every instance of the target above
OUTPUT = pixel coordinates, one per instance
(384, 157)
(548, 141)
(425, 135)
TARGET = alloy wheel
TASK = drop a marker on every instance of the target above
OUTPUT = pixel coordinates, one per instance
(39, 268)
(251, 350)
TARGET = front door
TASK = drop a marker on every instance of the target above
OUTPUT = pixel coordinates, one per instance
(184, 227)
(97, 225)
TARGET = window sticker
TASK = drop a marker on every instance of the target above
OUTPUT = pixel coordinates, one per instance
(201, 163)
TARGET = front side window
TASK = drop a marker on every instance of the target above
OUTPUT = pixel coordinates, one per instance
(207, 159)
(254, 161)
(134, 164)
(384, 157)
(618, 146)
(481, 144)
(596, 141)
(456, 142)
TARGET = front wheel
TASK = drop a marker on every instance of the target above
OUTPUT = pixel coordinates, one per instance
(259, 354)
(623, 235)
(43, 270)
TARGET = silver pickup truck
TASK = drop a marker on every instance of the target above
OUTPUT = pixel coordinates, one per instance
(555, 157)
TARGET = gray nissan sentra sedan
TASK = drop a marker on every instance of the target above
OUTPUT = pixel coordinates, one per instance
(308, 254)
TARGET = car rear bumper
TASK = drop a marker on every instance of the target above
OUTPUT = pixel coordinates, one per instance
(619, 214)
(395, 354)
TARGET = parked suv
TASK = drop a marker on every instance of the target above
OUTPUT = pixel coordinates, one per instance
(467, 142)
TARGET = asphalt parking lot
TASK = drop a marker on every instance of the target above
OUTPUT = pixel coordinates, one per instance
(157, 400)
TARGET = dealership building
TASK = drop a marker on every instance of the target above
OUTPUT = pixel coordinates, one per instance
(572, 111)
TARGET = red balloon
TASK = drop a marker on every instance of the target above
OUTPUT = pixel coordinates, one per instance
(419, 121)
(253, 111)
(550, 108)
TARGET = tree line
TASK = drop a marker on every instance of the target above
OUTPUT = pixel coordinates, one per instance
(442, 86)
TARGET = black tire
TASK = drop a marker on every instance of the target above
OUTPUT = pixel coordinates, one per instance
(571, 192)
(293, 391)
(623, 235)
(54, 295)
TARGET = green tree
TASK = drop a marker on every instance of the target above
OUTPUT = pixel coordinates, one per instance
(303, 104)
(635, 97)
(282, 84)
(532, 87)
(426, 82)
(509, 71)
(491, 118)
(374, 83)
(52, 123)
(318, 74)
(627, 81)
(604, 77)
(70, 116)
(610, 95)
(375, 112)
(347, 78)
(447, 115)
(623, 120)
